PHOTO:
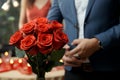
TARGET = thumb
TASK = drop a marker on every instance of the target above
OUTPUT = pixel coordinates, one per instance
(76, 41)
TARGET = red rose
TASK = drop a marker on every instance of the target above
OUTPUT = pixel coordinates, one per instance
(15, 38)
(43, 27)
(41, 20)
(28, 42)
(33, 50)
(28, 27)
(44, 42)
(56, 24)
(60, 39)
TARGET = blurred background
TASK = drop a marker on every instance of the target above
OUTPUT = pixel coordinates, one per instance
(9, 16)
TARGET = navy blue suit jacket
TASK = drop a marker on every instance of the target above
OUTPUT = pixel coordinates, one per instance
(101, 21)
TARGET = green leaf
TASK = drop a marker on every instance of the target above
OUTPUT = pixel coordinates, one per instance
(57, 55)
(54, 59)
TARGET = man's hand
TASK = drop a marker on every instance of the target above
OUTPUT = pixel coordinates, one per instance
(84, 48)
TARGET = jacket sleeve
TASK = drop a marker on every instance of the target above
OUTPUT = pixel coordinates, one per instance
(111, 37)
(54, 12)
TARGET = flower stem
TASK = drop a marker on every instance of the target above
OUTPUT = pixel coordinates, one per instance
(40, 67)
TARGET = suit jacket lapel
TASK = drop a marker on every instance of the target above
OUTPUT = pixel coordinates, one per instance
(72, 3)
(89, 7)
(73, 13)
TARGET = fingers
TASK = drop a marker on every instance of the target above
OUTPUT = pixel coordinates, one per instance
(71, 61)
(76, 46)
(76, 41)
(67, 47)
(84, 47)
(77, 56)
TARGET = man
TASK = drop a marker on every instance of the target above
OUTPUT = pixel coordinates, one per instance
(93, 29)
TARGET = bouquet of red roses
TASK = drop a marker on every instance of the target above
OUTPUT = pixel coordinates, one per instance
(42, 40)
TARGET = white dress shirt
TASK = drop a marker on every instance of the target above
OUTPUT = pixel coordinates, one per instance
(81, 6)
